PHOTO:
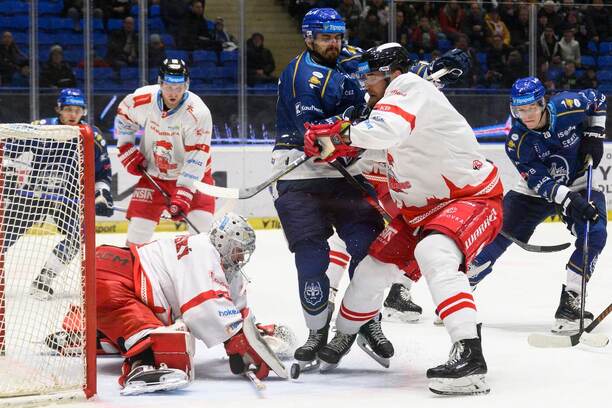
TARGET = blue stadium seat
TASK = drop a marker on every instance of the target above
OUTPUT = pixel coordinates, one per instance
(156, 25)
(14, 8)
(184, 55)
(605, 48)
(79, 74)
(49, 8)
(607, 89)
(70, 39)
(73, 56)
(198, 72)
(15, 23)
(604, 76)
(203, 56)
(55, 24)
(154, 11)
(114, 24)
(481, 57)
(46, 39)
(587, 60)
(444, 45)
(21, 38)
(605, 61)
(592, 46)
(104, 73)
(128, 73)
(168, 40)
(229, 56)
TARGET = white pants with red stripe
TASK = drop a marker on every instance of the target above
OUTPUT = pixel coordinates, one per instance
(439, 258)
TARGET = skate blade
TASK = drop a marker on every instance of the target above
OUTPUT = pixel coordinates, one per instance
(301, 366)
(327, 367)
(363, 344)
(392, 315)
(438, 322)
(568, 327)
(140, 387)
(40, 294)
(469, 385)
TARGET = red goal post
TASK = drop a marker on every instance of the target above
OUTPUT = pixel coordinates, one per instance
(47, 176)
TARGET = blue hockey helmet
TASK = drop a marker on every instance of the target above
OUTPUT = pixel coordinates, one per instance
(71, 97)
(526, 91)
(173, 71)
(322, 21)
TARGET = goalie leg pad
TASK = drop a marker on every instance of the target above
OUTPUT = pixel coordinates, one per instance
(174, 349)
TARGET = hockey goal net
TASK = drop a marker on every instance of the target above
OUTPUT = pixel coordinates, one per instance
(47, 243)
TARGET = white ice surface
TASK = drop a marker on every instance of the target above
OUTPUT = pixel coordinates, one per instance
(519, 298)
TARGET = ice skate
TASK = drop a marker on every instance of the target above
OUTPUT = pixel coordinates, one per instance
(463, 373)
(567, 316)
(372, 340)
(306, 355)
(41, 286)
(65, 343)
(146, 378)
(399, 306)
(331, 354)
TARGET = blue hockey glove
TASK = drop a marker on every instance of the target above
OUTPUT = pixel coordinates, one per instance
(591, 144)
(456, 61)
(576, 207)
(104, 203)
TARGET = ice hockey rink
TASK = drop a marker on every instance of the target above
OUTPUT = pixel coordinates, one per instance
(519, 298)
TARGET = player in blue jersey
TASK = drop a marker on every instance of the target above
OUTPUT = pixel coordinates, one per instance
(315, 199)
(549, 144)
(40, 190)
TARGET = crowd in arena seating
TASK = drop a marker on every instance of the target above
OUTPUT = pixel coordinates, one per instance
(574, 48)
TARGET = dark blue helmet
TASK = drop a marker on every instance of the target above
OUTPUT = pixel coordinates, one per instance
(384, 58)
(526, 91)
(71, 97)
(457, 64)
(322, 21)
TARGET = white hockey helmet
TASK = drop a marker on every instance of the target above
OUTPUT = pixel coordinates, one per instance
(234, 239)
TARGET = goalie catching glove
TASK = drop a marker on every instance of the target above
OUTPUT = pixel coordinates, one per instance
(328, 141)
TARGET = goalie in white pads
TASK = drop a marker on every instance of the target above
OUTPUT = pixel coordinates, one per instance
(449, 201)
(153, 300)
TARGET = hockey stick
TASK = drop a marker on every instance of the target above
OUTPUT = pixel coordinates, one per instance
(524, 245)
(542, 340)
(248, 192)
(585, 247)
(259, 385)
(167, 197)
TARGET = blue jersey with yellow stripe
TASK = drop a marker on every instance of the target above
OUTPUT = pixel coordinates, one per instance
(311, 92)
(549, 158)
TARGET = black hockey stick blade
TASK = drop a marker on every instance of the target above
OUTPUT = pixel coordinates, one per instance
(248, 192)
(542, 340)
(536, 248)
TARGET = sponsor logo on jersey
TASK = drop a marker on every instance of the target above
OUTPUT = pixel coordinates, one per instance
(397, 92)
(476, 165)
(511, 145)
(386, 235)
(559, 169)
(182, 246)
(481, 228)
(566, 132)
(143, 194)
(314, 81)
(299, 108)
(228, 312)
(317, 74)
(313, 294)
(514, 137)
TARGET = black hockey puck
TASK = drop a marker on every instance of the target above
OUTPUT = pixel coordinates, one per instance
(295, 371)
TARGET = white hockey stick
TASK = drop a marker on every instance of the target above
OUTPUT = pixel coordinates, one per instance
(248, 192)
(542, 340)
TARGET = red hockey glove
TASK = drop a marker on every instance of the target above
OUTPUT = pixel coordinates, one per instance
(242, 355)
(132, 159)
(314, 140)
(180, 203)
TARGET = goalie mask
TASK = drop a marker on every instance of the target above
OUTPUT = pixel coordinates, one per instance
(234, 239)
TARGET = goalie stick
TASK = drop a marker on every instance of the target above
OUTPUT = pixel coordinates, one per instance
(248, 192)
(524, 245)
(542, 340)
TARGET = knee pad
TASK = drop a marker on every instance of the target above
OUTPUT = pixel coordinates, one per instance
(201, 219)
(140, 230)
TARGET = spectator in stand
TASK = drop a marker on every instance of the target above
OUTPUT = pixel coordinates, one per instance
(97, 61)
(380, 8)
(371, 31)
(74, 9)
(555, 68)
(157, 50)
(410, 12)
(542, 24)
(568, 80)
(260, 62)
(495, 26)
(547, 45)
(497, 57)
(219, 34)
(123, 45)
(193, 33)
(519, 33)
(569, 48)
(352, 35)
(567, 7)
(575, 21)
(588, 80)
(424, 37)
(57, 73)
(508, 13)
(403, 33)
(172, 13)
(474, 25)
(598, 18)
(549, 9)
(119, 9)
(451, 19)
(514, 68)
(12, 60)
(473, 78)
(351, 11)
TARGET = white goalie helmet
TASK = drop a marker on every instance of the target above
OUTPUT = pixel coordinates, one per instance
(234, 239)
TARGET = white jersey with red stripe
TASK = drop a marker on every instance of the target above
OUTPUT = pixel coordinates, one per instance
(182, 277)
(175, 143)
(432, 155)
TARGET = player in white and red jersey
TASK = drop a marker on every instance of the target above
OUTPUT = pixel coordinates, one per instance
(174, 150)
(449, 200)
(152, 300)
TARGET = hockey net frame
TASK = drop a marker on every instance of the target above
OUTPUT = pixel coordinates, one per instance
(51, 387)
